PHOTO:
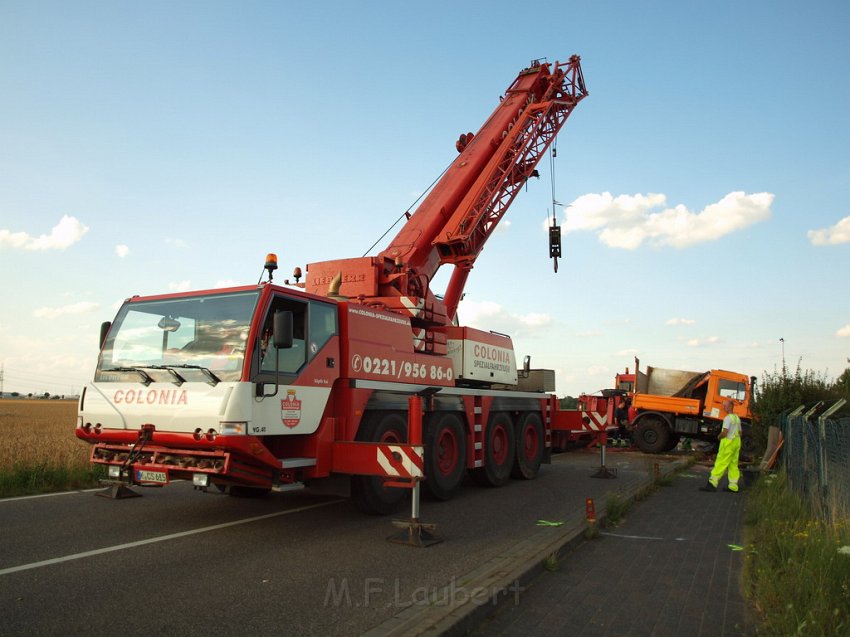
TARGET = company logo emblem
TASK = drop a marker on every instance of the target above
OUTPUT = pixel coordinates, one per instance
(290, 409)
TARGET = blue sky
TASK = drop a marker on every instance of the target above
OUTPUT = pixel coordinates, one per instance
(158, 146)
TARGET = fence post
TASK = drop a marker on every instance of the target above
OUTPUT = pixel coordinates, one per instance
(823, 477)
(789, 421)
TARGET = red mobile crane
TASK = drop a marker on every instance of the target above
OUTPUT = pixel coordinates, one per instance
(259, 387)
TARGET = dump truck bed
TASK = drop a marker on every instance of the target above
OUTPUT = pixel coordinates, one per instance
(680, 406)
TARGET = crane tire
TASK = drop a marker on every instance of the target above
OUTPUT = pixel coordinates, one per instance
(368, 492)
(499, 451)
(530, 440)
(444, 439)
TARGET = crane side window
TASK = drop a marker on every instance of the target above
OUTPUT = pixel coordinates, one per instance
(322, 325)
(288, 361)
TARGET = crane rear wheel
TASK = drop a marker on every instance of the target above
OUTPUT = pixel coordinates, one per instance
(499, 451)
(529, 446)
(444, 439)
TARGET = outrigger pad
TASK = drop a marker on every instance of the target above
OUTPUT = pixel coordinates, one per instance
(605, 472)
(415, 533)
(118, 491)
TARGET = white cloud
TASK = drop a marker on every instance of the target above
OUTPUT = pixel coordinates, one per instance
(844, 332)
(628, 352)
(121, 250)
(176, 243)
(535, 319)
(75, 308)
(701, 342)
(504, 226)
(488, 315)
(180, 286)
(839, 233)
(598, 370)
(680, 321)
(627, 221)
(67, 232)
(227, 283)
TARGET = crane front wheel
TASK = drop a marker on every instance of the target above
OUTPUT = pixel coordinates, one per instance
(368, 492)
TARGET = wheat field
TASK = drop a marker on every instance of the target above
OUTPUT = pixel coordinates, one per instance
(40, 433)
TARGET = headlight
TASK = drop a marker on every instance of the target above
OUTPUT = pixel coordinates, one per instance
(233, 428)
(200, 479)
(114, 471)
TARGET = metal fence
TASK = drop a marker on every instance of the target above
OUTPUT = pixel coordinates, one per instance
(816, 459)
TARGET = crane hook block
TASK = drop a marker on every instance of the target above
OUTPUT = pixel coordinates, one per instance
(555, 244)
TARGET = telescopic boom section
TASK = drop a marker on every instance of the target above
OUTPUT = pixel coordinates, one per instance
(455, 220)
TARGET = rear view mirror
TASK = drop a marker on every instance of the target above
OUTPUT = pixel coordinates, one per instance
(104, 330)
(283, 329)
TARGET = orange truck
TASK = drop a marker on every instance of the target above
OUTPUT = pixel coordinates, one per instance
(670, 404)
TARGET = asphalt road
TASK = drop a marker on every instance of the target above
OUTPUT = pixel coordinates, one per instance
(181, 562)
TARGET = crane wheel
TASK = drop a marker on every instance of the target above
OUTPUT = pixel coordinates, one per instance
(368, 492)
(529, 446)
(444, 438)
(499, 451)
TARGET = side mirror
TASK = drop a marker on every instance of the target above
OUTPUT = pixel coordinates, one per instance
(104, 330)
(282, 329)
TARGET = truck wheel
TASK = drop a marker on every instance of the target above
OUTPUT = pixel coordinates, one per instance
(672, 442)
(652, 435)
(748, 445)
(444, 439)
(529, 446)
(499, 447)
(368, 492)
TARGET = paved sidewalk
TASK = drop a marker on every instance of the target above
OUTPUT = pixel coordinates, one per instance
(666, 569)
(558, 495)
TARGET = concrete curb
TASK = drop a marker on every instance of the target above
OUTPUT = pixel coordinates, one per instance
(466, 602)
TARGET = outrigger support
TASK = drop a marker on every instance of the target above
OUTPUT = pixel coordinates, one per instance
(119, 489)
(415, 532)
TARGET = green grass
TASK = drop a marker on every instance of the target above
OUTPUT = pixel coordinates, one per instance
(616, 507)
(44, 478)
(797, 569)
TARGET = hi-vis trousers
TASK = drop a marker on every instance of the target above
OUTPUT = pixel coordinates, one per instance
(727, 458)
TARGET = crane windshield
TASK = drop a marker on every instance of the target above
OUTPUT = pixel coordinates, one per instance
(193, 338)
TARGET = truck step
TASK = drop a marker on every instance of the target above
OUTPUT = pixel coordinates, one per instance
(285, 488)
(294, 463)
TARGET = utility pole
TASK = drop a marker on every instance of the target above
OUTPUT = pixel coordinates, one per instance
(1, 379)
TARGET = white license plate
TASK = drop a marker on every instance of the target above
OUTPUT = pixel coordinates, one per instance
(156, 477)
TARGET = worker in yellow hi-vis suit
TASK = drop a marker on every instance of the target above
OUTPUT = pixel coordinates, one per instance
(727, 455)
